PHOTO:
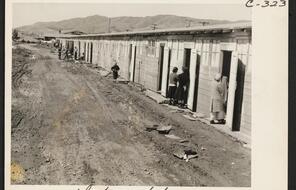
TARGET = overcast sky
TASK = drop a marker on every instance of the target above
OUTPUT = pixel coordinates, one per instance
(29, 13)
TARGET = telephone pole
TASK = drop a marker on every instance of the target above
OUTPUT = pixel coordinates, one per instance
(109, 25)
(204, 23)
(154, 26)
(189, 22)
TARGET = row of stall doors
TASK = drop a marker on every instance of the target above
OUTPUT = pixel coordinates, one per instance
(231, 67)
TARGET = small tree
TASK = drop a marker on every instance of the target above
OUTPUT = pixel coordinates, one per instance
(15, 35)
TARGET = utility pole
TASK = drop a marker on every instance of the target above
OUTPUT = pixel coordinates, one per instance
(154, 26)
(109, 25)
(189, 22)
(204, 23)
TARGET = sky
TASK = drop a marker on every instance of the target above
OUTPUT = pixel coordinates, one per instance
(30, 13)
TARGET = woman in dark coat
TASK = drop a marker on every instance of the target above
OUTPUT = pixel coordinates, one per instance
(182, 89)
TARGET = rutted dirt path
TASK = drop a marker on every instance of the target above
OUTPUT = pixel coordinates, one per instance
(73, 126)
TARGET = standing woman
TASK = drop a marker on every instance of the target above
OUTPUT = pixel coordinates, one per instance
(224, 93)
(217, 101)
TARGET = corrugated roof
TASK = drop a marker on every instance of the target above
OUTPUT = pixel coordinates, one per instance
(230, 26)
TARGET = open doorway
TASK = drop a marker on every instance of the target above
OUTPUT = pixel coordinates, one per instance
(225, 68)
(71, 46)
(226, 63)
(187, 54)
(79, 49)
(238, 99)
(168, 73)
(91, 52)
(196, 83)
(160, 66)
(186, 63)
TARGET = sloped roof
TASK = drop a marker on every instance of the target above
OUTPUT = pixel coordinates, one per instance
(216, 27)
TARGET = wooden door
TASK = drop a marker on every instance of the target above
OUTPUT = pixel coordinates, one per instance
(192, 73)
(231, 89)
(132, 65)
(238, 99)
(160, 67)
(165, 71)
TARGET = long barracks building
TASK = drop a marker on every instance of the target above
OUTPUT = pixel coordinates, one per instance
(147, 58)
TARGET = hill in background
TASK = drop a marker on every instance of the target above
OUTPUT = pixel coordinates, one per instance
(99, 24)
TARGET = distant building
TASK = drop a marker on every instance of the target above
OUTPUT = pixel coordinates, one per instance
(147, 58)
(53, 36)
(73, 32)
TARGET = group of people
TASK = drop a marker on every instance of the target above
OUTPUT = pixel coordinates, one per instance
(178, 87)
(178, 93)
(219, 92)
(69, 54)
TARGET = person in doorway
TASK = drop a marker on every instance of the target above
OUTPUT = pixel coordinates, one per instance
(224, 83)
(60, 52)
(173, 78)
(115, 68)
(82, 57)
(182, 89)
(224, 93)
(217, 112)
(75, 53)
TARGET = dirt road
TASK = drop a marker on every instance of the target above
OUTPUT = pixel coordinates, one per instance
(72, 126)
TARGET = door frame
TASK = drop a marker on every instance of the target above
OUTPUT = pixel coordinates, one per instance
(232, 79)
(192, 64)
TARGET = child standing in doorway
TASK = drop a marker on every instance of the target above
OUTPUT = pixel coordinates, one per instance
(173, 78)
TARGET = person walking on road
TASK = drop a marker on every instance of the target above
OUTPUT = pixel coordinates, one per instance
(115, 68)
(66, 57)
(173, 79)
(75, 53)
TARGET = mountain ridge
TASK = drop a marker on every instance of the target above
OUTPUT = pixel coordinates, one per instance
(99, 24)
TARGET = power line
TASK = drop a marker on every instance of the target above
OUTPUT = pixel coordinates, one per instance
(109, 25)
